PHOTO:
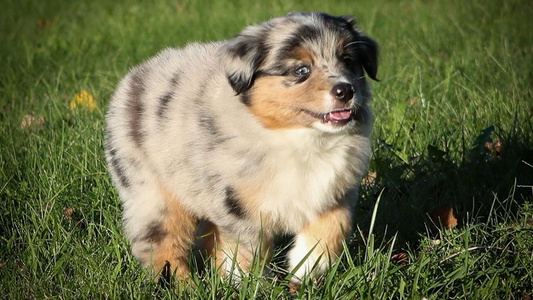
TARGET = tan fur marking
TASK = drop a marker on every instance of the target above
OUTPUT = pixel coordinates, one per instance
(226, 248)
(304, 55)
(279, 107)
(174, 248)
(243, 253)
(216, 245)
(249, 194)
(329, 231)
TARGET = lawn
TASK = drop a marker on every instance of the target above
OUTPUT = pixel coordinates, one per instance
(453, 133)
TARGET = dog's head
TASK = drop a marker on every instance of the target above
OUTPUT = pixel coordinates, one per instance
(303, 70)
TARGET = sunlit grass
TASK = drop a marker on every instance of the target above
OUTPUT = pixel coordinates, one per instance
(453, 127)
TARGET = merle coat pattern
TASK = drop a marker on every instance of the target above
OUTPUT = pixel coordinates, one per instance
(265, 133)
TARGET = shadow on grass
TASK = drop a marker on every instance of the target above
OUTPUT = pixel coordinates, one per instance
(494, 176)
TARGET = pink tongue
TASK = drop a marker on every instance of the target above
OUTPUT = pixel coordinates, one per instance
(340, 115)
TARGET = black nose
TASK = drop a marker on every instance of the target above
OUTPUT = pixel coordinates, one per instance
(343, 92)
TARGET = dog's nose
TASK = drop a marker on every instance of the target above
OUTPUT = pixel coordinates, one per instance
(343, 92)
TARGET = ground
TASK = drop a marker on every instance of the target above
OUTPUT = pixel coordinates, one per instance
(453, 139)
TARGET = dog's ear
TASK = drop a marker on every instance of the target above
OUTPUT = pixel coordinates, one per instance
(367, 49)
(350, 20)
(242, 57)
(367, 52)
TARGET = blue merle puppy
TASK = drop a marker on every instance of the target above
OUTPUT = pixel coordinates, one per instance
(265, 133)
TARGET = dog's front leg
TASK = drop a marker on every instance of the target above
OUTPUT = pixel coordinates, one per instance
(236, 257)
(319, 244)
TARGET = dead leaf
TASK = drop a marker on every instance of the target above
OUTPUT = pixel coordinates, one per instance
(370, 178)
(495, 148)
(435, 242)
(293, 287)
(414, 100)
(400, 259)
(30, 121)
(43, 23)
(444, 216)
(18, 264)
(85, 100)
(70, 215)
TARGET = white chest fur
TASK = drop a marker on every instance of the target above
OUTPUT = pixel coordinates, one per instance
(305, 167)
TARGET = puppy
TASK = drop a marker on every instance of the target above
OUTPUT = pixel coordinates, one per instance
(265, 133)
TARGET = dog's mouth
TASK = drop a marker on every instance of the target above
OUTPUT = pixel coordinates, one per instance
(338, 117)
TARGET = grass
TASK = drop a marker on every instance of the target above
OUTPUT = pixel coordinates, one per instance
(454, 127)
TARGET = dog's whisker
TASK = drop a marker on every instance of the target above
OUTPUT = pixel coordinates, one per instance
(354, 43)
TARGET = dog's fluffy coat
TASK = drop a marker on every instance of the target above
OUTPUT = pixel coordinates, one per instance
(265, 133)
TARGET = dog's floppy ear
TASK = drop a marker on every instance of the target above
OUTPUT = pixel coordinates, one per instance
(242, 56)
(367, 52)
(349, 19)
(367, 48)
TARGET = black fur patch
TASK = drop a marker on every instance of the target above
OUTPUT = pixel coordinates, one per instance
(155, 233)
(208, 124)
(163, 103)
(174, 81)
(165, 99)
(335, 23)
(252, 51)
(239, 82)
(362, 116)
(304, 34)
(136, 106)
(245, 46)
(202, 89)
(367, 51)
(165, 281)
(245, 99)
(233, 203)
(118, 168)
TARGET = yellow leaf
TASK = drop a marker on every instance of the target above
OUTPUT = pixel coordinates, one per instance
(83, 99)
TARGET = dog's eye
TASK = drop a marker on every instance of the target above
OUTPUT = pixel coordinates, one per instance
(302, 71)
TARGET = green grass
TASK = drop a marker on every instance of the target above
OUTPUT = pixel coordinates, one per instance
(455, 75)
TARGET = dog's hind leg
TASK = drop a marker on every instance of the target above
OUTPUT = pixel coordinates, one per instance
(161, 231)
